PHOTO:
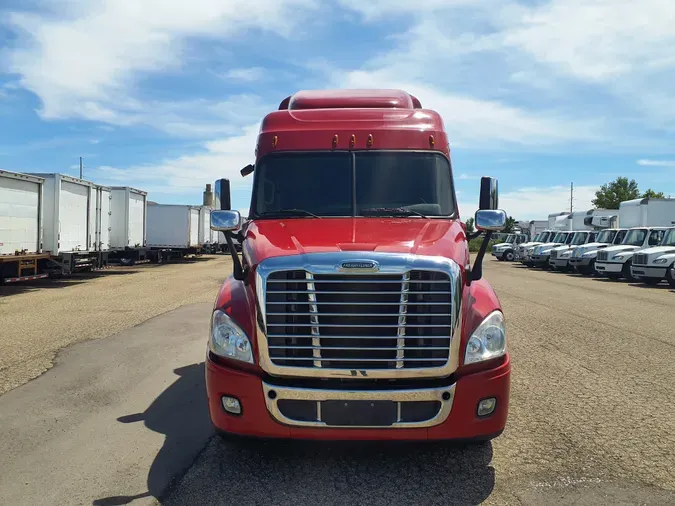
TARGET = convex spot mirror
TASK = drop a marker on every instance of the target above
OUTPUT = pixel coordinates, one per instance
(225, 221)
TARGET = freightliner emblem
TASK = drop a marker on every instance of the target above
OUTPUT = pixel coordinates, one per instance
(360, 265)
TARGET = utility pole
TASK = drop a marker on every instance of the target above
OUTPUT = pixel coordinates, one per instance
(571, 196)
(80, 167)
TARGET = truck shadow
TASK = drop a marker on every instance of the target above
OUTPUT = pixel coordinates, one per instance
(180, 413)
(310, 473)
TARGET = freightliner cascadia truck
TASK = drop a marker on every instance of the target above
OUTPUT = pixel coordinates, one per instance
(354, 311)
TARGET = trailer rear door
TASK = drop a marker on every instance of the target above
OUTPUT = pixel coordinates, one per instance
(19, 215)
(74, 216)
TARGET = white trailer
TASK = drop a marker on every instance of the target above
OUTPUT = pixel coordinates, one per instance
(173, 230)
(558, 221)
(647, 213)
(21, 203)
(69, 226)
(206, 235)
(129, 218)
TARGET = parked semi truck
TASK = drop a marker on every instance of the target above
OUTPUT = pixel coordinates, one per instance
(583, 257)
(354, 313)
(559, 257)
(525, 250)
(648, 220)
(653, 265)
(615, 261)
(507, 250)
(541, 254)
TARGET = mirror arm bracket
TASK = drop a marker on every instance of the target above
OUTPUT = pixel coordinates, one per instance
(237, 269)
(473, 235)
(476, 271)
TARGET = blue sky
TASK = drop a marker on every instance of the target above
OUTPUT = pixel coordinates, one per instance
(167, 95)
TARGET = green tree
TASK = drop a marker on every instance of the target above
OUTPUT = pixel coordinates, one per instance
(470, 228)
(651, 194)
(510, 225)
(610, 195)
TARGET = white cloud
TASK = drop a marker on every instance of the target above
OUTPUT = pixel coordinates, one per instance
(597, 40)
(479, 123)
(187, 175)
(85, 61)
(245, 74)
(656, 163)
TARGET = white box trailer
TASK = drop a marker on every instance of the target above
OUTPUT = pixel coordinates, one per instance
(647, 213)
(67, 212)
(558, 221)
(129, 218)
(173, 226)
(20, 213)
(21, 228)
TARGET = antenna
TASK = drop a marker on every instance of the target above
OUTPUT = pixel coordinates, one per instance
(80, 167)
(571, 196)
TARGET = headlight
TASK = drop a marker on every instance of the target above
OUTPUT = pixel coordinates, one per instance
(661, 261)
(617, 257)
(590, 253)
(228, 339)
(488, 340)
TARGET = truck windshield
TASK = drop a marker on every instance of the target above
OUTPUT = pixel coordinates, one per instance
(536, 238)
(579, 238)
(669, 238)
(606, 236)
(559, 237)
(635, 237)
(510, 238)
(384, 183)
(568, 238)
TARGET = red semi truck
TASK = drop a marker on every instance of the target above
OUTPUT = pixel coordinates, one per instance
(354, 312)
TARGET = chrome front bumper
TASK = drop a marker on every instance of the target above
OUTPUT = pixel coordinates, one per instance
(273, 394)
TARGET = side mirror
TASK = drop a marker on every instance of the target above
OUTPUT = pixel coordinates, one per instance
(489, 196)
(225, 221)
(490, 220)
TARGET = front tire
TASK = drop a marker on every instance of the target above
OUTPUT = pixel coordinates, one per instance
(626, 273)
(670, 276)
(651, 281)
(509, 256)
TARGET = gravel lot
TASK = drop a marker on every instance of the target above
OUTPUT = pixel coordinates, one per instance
(591, 420)
(39, 319)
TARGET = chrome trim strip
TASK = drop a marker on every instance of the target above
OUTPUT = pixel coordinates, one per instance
(311, 394)
(389, 263)
(402, 310)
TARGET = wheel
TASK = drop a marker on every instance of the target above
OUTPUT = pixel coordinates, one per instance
(626, 273)
(670, 276)
(509, 256)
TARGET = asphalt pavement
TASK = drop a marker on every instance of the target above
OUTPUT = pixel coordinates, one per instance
(123, 420)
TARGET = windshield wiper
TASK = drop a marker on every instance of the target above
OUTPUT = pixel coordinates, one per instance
(395, 211)
(288, 212)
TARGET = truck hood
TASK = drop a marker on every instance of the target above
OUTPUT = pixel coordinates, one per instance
(529, 244)
(503, 245)
(619, 248)
(298, 236)
(658, 250)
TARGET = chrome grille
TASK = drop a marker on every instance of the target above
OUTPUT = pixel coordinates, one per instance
(359, 321)
(554, 254)
(640, 259)
(602, 256)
